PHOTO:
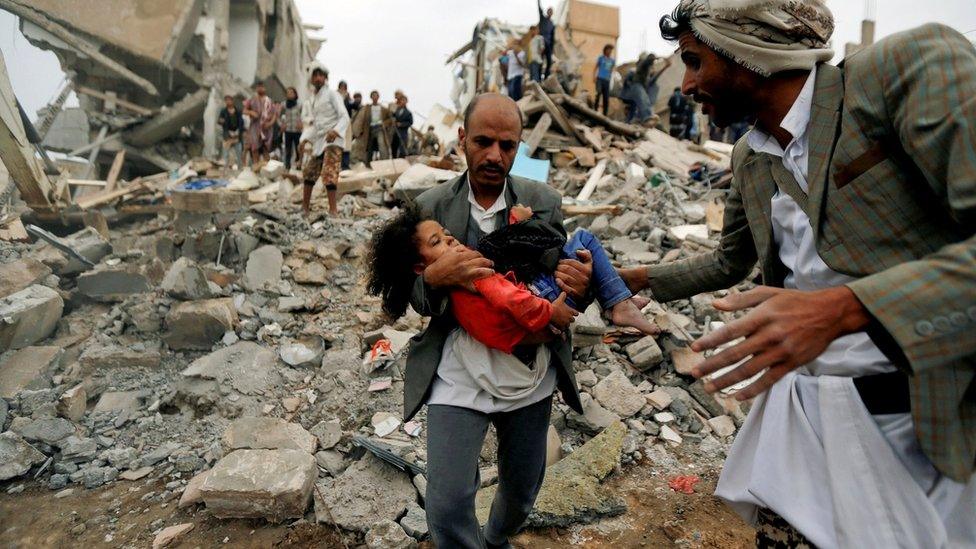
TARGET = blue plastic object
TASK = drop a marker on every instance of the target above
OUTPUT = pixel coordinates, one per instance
(200, 184)
(528, 167)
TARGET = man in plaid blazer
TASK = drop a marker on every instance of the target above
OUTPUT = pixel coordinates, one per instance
(856, 194)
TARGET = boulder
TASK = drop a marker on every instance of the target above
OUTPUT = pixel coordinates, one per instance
(100, 356)
(28, 316)
(72, 403)
(328, 433)
(594, 419)
(192, 494)
(111, 284)
(48, 430)
(267, 433)
(199, 324)
(185, 280)
(270, 484)
(17, 456)
(369, 490)
(28, 368)
(572, 491)
(245, 366)
(21, 274)
(617, 394)
(171, 534)
(263, 268)
(387, 534)
(311, 272)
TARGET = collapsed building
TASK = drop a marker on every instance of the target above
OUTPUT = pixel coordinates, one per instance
(150, 76)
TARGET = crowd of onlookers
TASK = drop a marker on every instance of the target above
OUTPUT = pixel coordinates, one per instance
(259, 128)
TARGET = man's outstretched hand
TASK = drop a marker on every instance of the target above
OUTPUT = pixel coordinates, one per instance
(785, 330)
(459, 267)
(573, 277)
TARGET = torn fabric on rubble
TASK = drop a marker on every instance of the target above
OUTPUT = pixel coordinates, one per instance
(765, 36)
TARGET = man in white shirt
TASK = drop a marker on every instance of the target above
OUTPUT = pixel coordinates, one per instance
(857, 437)
(325, 132)
(516, 71)
(537, 48)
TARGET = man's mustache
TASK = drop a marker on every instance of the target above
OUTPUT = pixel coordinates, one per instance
(491, 165)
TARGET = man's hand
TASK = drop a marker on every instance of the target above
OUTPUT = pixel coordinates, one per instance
(562, 315)
(635, 278)
(331, 136)
(787, 329)
(573, 277)
(459, 267)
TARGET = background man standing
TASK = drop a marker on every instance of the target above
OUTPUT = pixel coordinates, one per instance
(602, 73)
(537, 45)
(856, 193)
(369, 129)
(231, 123)
(325, 134)
(403, 121)
(548, 31)
(263, 116)
(458, 411)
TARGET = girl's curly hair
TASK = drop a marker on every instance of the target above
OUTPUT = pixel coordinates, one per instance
(390, 260)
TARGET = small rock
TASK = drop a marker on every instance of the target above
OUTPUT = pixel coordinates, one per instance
(645, 353)
(670, 435)
(191, 494)
(617, 394)
(659, 399)
(414, 523)
(328, 433)
(136, 474)
(72, 403)
(171, 534)
(385, 423)
(685, 359)
(723, 426)
(387, 534)
(185, 280)
(664, 417)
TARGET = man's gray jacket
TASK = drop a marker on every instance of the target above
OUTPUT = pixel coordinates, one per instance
(448, 204)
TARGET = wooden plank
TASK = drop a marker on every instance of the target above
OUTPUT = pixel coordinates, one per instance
(540, 129)
(596, 209)
(12, 230)
(557, 114)
(138, 109)
(86, 183)
(105, 197)
(113, 172)
(595, 174)
(584, 156)
(593, 138)
(615, 126)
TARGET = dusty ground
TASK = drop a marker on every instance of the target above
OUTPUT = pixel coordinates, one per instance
(117, 517)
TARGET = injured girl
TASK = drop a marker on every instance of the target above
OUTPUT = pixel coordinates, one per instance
(521, 298)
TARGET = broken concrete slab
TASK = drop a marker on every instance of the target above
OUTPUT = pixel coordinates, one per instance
(572, 492)
(414, 523)
(645, 353)
(112, 284)
(682, 232)
(263, 268)
(28, 316)
(21, 274)
(624, 224)
(90, 244)
(72, 403)
(199, 324)
(245, 366)
(17, 456)
(270, 484)
(722, 426)
(192, 494)
(48, 430)
(99, 356)
(304, 353)
(328, 433)
(595, 417)
(171, 534)
(185, 280)
(369, 490)
(28, 368)
(617, 394)
(267, 433)
(685, 360)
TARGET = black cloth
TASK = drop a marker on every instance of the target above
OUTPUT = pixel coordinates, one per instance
(603, 91)
(403, 119)
(291, 147)
(529, 248)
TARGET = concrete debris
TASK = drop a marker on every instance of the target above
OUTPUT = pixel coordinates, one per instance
(28, 316)
(306, 352)
(28, 368)
(17, 456)
(113, 284)
(245, 366)
(571, 491)
(267, 433)
(270, 484)
(368, 491)
(617, 394)
(328, 433)
(185, 280)
(387, 534)
(199, 324)
(21, 274)
(263, 268)
(171, 534)
(414, 523)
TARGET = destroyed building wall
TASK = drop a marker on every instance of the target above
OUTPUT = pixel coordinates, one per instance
(591, 26)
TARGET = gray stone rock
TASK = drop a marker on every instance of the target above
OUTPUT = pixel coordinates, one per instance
(625, 223)
(332, 461)
(50, 431)
(185, 280)
(120, 458)
(99, 356)
(645, 353)
(90, 244)
(369, 490)
(617, 394)
(57, 481)
(245, 366)
(414, 523)
(267, 433)
(303, 353)
(263, 268)
(120, 401)
(328, 433)
(28, 368)
(162, 452)
(21, 274)
(78, 449)
(72, 403)
(17, 456)
(387, 534)
(112, 284)
(199, 324)
(594, 419)
(28, 316)
(270, 484)
(97, 476)
(311, 272)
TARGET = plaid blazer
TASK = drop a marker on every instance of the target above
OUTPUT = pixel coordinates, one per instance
(892, 200)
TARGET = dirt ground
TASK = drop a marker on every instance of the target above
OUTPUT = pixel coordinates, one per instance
(116, 516)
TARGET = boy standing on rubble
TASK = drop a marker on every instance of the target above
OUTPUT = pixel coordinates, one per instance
(602, 73)
(232, 124)
(326, 136)
(856, 193)
(262, 116)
